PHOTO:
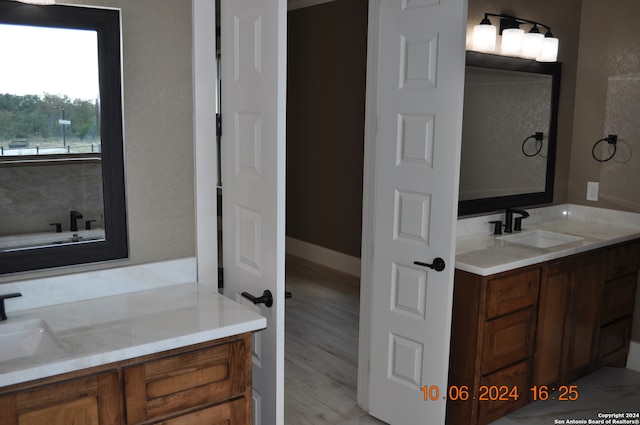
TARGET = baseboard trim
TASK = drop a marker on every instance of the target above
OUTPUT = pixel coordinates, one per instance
(633, 360)
(324, 256)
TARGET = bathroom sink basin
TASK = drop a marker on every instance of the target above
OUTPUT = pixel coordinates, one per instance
(540, 238)
(26, 338)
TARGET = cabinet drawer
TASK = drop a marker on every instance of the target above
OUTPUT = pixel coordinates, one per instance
(619, 298)
(508, 339)
(512, 293)
(234, 412)
(516, 376)
(623, 260)
(614, 343)
(187, 381)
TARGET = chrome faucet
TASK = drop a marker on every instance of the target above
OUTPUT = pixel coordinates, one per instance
(75, 215)
(512, 225)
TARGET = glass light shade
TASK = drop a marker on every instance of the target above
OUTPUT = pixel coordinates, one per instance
(549, 52)
(512, 41)
(484, 38)
(532, 45)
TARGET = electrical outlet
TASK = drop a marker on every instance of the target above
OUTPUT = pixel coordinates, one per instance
(592, 191)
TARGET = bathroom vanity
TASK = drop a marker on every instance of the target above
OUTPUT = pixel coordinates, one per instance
(529, 318)
(176, 355)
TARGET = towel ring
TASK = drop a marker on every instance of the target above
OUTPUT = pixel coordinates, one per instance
(611, 139)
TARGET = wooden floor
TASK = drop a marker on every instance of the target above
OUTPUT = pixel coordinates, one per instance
(321, 347)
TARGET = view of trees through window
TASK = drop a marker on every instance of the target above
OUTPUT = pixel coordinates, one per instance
(49, 91)
(48, 124)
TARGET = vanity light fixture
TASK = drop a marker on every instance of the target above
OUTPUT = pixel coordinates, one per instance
(515, 42)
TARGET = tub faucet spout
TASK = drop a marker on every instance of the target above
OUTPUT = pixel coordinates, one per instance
(75, 215)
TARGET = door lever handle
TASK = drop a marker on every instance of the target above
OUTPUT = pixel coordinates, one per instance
(437, 265)
(266, 298)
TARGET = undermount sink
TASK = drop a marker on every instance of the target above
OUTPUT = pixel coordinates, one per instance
(540, 238)
(26, 338)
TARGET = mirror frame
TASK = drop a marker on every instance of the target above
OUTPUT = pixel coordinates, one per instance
(483, 205)
(106, 22)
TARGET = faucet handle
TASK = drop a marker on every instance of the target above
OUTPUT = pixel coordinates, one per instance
(497, 230)
(3, 314)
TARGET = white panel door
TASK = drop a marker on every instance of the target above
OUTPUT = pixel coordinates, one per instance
(421, 48)
(253, 73)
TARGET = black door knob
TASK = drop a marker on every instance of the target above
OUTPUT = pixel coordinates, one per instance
(437, 265)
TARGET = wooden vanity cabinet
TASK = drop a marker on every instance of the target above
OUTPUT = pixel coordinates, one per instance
(208, 383)
(547, 324)
(492, 343)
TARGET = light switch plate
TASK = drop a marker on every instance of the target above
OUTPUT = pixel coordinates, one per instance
(592, 191)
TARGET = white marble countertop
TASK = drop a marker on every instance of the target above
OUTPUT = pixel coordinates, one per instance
(111, 329)
(481, 252)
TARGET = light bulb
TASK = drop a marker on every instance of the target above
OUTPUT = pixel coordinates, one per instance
(512, 41)
(549, 52)
(484, 37)
(532, 44)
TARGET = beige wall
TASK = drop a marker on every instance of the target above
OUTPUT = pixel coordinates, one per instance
(325, 124)
(608, 102)
(158, 115)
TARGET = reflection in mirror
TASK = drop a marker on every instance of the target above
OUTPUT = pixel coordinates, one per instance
(49, 92)
(508, 133)
(61, 147)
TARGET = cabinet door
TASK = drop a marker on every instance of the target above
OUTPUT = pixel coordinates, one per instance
(554, 295)
(583, 317)
(94, 400)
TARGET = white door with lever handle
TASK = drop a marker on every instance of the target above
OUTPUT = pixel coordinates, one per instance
(253, 73)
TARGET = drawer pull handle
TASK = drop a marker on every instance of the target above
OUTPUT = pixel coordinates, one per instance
(438, 264)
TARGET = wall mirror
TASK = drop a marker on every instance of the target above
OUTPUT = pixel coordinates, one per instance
(508, 133)
(62, 199)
